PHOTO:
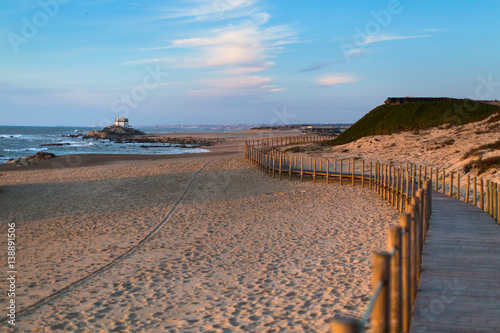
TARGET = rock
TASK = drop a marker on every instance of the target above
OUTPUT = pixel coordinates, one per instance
(55, 144)
(119, 134)
(30, 160)
(113, 132)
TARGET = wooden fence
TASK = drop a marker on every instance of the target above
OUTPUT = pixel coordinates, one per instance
(408, 188)
(400, 180)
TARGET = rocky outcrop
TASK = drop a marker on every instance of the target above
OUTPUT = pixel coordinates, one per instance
(30, 160)
(119, 134)
(113, 133)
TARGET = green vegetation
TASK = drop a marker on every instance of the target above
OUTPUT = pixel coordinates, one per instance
(295, 149)
(483, 165)
(388, 119)
(477, 151)
(494, 119)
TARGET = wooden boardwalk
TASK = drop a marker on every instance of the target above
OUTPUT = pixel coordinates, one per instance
(459, 288)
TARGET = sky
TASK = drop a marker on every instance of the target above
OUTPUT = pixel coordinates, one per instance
(72, 62)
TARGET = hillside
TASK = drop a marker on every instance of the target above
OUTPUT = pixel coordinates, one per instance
(388, 119)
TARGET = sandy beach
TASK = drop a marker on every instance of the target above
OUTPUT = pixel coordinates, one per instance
(186, 243)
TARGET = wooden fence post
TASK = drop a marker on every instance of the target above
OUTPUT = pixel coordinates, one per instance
(385, 178)
(301, 168)
(405, 223)
(444, 181)
(394, 244)
(487, 199)
(482, 194)
(492, 199)
(345, 325)
(437, 179)
(310, 164)
(407, 187)
(413, 212)
(495, 200)
(427, 209)
(314, 171)
(419, 176)
(371, 164)
(381, 271)
(327, 171)
(341, 163)
(474, 192)
(353, 172)
(377, 177)
(398, 190)
(421, 223)
(392, 182)
(269, 160)
(362, 173)
(274, 164)
(467, 189)
(451, 185)
(395, 187)
(280, 165)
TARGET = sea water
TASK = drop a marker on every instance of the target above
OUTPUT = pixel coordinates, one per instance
(20, 141)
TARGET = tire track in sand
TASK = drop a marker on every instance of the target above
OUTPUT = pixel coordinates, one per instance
(29, 309)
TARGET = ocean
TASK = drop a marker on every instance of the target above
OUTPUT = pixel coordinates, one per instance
(20, 141)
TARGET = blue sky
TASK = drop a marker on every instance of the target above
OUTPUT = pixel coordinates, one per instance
(71, 62)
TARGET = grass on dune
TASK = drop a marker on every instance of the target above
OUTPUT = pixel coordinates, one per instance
(388, 119)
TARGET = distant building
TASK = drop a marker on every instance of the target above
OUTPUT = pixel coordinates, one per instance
(402, 100)
(325, 129)
(123, 122)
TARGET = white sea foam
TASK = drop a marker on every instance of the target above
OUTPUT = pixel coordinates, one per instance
(26, 149)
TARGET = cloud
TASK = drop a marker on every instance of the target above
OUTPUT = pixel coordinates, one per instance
(354, 51)
(359, 46)
(245, 45)
(232, 53)
(249, 69)
(243, 85)
(239, 81)
(384, 38)
(313, 67)
(333, 79)
(211, 10)
(144, 61)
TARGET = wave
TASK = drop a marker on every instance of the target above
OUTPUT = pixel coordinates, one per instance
(26, 137)
(26, 149)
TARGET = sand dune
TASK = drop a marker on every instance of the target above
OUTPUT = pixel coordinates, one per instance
(442, 147)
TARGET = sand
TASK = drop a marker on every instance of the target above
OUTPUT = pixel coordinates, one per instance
(192, 243)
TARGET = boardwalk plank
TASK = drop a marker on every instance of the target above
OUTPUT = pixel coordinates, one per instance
(459, 288)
